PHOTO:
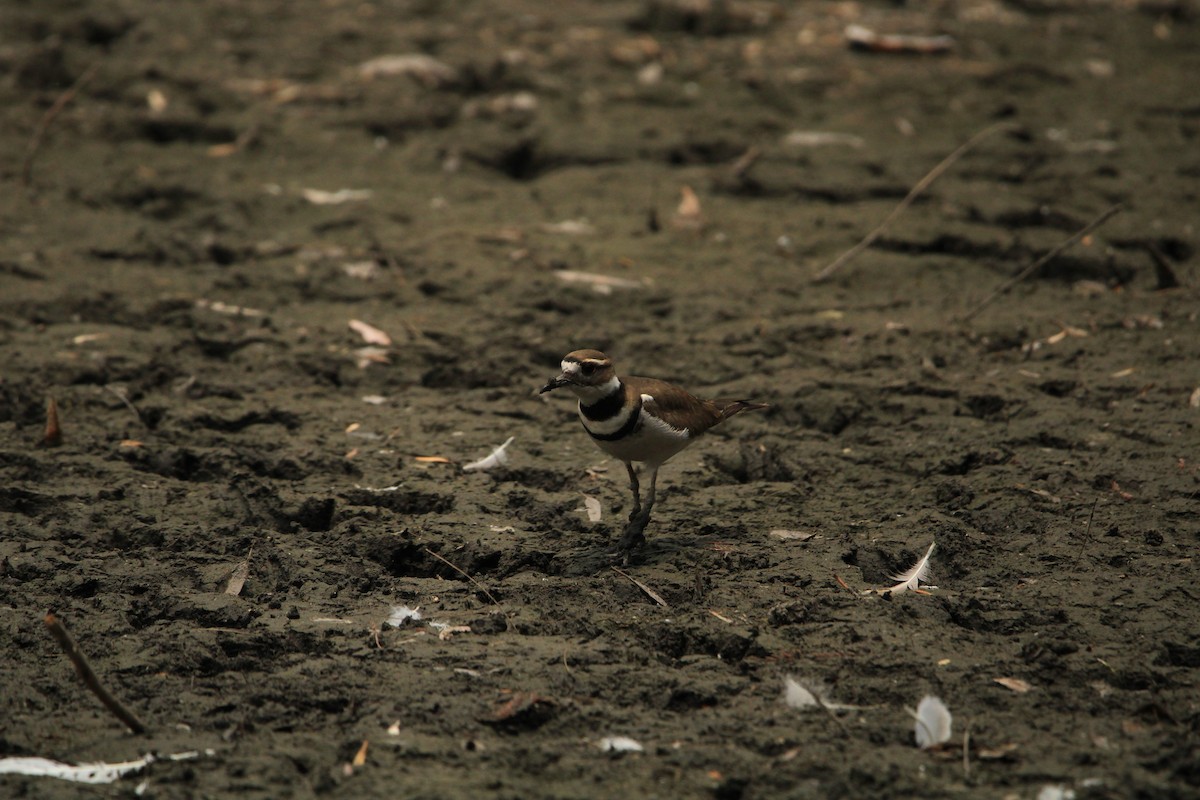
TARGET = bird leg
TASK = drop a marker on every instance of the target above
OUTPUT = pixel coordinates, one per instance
(633, 535)
(633, 484)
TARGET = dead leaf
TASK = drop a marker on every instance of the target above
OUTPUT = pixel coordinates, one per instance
(365, 356)
(799, 536)
(720, 616)
(570, 227)
(370, 334)
(53, 436)
(431, 459)
(426, 69)
(594, 510)
(219, 307)
(862, 38)
(130, 443)
(320, 197)
(689, 203)
(525, 709)
(688, 216)
(822, 139)
(996, 753)
(1016, 684)
(238, 578)
(156, 101)
(360, 758)
(449, 630)
(1194, 399)
(603, 284)
(1044, 494)
(223, 150)
(1067, 330)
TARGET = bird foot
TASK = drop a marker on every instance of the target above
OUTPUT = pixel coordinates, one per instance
(633, 536)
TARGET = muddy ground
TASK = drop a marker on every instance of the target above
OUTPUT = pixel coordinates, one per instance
(180, 267)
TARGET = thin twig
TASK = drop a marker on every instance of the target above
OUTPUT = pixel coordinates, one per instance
(481, 587)
(48, 119)
(912, 195)
(653, 595)
(84, 670)
(967, 752)
(1163, 271)
(1087, 532)
(1025, 273)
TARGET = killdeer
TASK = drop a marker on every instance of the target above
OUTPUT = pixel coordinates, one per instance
(638, 419)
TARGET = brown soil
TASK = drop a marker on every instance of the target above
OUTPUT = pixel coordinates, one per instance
(1048, 444)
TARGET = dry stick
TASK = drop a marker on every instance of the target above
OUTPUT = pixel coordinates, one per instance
(482, 588)
(71, 648)
(1087, 532)
(921, 186)
(1025, 273)
(653, 595)
(48, 119)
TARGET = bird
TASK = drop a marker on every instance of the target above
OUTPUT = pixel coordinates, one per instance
(641, 420)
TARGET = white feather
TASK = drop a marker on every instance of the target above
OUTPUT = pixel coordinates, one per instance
(797, 695)
(910, 579)
(933, 722)
(497, 458)
(620, 744)
(917, 573)
(86, 773)
(810, 694)
(402, 614)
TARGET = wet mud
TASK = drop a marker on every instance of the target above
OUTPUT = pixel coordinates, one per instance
(200, 198)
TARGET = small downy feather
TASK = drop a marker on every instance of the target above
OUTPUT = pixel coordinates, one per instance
(797, 695)
(912, 578)
(933, 722)
(802, 694)
(497, 458)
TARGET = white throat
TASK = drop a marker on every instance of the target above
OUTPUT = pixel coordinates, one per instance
(593, 394)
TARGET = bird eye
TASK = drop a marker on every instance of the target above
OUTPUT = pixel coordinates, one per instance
(587, 369)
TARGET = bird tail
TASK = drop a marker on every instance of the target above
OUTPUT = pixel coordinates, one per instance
(731, 407)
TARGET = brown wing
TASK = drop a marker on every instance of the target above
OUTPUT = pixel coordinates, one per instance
(674, 406)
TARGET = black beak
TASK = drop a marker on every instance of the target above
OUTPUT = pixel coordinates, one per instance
(554, 384)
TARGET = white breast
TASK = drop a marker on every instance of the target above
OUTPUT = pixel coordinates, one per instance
(653, 441)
